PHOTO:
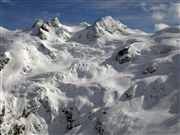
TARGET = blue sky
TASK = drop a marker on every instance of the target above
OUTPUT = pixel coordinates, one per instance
(142, 14)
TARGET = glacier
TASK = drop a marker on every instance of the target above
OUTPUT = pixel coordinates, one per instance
(91, 79)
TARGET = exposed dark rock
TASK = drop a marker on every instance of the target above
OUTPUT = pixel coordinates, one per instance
(70, 118)
(25, 113)
(128, 95)
(125, 60)
(3, 112)
(39, 27)
(38, 23)
(45, 103)
(2, 115)
(41, 35)
(55, 22)
(17, 130)
(3, 61)
(99, 127)
(27, 69)
(122, 56)
(150, 69)
(123, 52)
(42, 48)
(45, 27)
(32, 107)
(131, 41)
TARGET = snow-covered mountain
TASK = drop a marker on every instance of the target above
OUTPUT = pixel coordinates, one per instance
(99, 79)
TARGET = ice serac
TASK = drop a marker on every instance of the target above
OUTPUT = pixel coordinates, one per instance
(99, 79)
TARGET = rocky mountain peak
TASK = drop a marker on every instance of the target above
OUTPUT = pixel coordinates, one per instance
(110, 25)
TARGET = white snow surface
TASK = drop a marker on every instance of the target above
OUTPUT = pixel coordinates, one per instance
(100, 79)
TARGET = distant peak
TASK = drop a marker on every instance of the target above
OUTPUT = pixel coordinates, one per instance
(55, 22)
(38, 23)
(167, 30)
(107, 20)
(85, 24)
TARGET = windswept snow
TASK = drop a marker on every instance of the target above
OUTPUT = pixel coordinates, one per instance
(99, 79)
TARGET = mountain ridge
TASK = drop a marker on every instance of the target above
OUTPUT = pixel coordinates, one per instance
(89, 80)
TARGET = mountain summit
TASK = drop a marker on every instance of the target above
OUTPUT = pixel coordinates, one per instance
(105, 27)
(110, 25)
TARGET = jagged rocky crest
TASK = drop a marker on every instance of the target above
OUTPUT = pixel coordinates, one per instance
(54, 27)
(106, 26)
(99, 79)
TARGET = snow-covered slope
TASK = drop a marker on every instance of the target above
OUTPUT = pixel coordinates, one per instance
(100, 79)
